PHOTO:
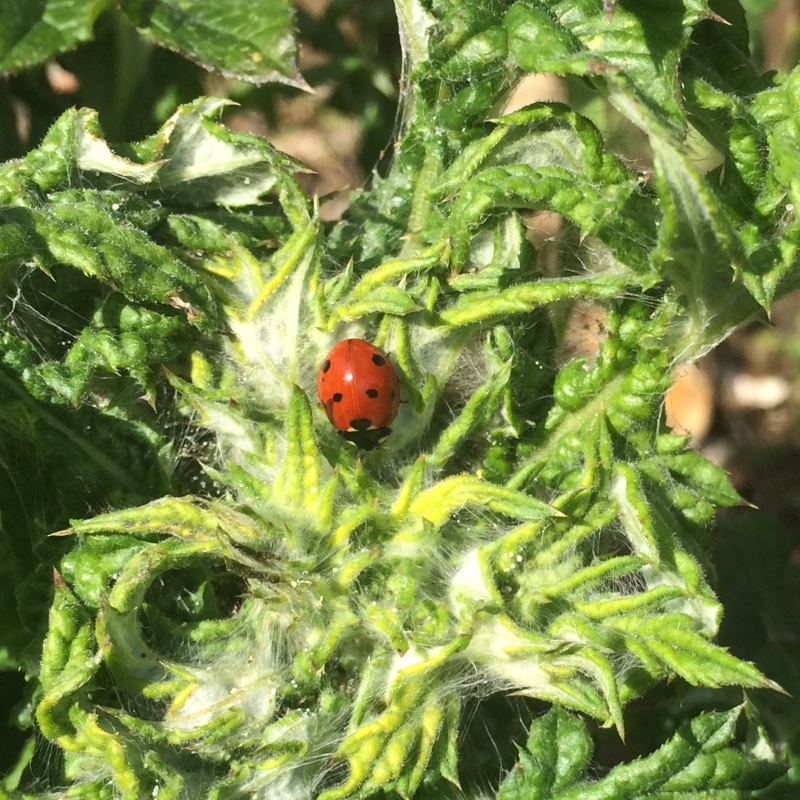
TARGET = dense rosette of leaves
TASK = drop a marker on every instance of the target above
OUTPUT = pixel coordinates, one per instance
(314, 624)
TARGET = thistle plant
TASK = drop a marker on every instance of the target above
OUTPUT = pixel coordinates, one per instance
(311, 621)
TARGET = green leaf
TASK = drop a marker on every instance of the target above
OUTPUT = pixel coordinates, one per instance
(596, 209)
(578, 38)
(698, 761)
(383, 300)
(416, 735)
(104, 449)
(252, 44)
(555, 757)
(69, 660)
(298, 482)
(193, 160)
(780, 192)
(126, 337)
(773, 109)
(474, 307)
(437, 503)
(33, 32)
(78, 228)
(476, 415)
(205, 162)
(670, 638)
(415, 23)
(712, 481)
(700, 252)
(184, 518)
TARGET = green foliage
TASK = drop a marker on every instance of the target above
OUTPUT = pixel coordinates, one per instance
(32, 32)
(697, 762)
(306, 621)
(221, 35)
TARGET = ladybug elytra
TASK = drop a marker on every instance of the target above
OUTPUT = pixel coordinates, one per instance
(359, 390)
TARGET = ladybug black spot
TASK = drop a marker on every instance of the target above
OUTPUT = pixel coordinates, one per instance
(337, 397)
(326, 365)
(360, 424)
(373, 393)
(378, 360)
(393, 395)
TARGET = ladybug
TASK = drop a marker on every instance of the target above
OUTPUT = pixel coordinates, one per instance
(360, 392)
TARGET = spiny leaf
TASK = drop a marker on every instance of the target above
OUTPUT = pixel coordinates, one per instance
(596, 208)
(30, 33)
(77, 228)
(475, 307)
(698, 761)
(437, 503)
(396, 748)
(699, 249)
(188, 518)
(578, 38)
(476, 415)
(557, 754)
(69, 660)
(256, 45)
(671, 639)
(298, 482)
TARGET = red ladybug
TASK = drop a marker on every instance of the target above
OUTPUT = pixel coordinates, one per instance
(359, 390)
